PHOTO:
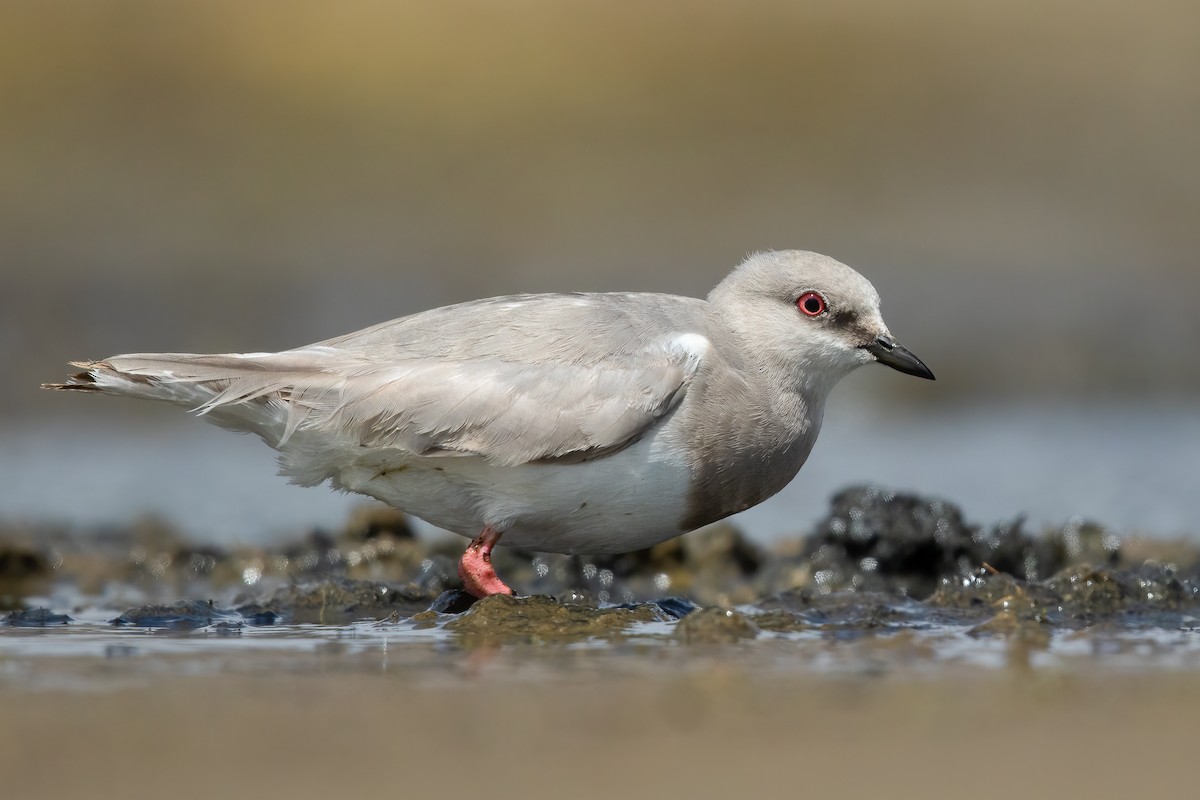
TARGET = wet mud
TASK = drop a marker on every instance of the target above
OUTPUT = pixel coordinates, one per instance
(880, 562)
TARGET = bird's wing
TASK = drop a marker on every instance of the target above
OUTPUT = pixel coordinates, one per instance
(509, 413)
(513, 380)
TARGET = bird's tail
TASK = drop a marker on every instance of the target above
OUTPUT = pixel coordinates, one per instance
(243, 392)
(267, 394)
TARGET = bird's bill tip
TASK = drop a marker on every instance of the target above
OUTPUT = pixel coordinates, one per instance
(889, 352)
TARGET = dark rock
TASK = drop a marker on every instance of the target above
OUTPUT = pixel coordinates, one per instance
(1013, 608)
(1158, 587)
(676, 607)
(1088, 594)
(199, 614)
(878, 540)
(36, 618)
(902, 541)
(987, 592)
(183, 615)
(256, 615)
(668, 608)
(452, 601)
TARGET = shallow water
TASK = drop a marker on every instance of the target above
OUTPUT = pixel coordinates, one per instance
(89, 654)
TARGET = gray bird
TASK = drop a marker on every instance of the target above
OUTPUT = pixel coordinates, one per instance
(568, 423)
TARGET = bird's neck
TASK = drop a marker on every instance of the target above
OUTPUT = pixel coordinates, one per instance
(746, 451)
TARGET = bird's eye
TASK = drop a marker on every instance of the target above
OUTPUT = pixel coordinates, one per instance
(811, 303)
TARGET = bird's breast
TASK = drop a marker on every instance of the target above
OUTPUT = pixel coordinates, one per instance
(745, 452)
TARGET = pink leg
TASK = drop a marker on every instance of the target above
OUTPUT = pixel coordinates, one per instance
(475, 566)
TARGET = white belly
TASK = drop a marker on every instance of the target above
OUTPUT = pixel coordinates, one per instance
(630, 499)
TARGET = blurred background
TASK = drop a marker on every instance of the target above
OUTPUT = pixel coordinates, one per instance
(1020, 180)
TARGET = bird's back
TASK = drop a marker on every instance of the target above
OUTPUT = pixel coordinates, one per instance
(576, 328)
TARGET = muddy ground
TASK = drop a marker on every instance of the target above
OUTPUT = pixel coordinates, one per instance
(878, 560)
(897, 648)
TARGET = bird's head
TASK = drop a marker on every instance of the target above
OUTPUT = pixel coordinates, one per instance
(811, 316)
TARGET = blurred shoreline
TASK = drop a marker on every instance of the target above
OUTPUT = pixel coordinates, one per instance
(1018, 180)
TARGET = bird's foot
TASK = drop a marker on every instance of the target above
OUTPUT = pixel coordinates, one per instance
(475, 566)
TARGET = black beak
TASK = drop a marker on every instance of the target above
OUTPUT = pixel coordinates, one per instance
(890, 352)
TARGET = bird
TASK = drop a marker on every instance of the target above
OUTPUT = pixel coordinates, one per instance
(578, 423)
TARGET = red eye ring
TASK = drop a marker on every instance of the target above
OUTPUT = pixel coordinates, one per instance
(811, 304)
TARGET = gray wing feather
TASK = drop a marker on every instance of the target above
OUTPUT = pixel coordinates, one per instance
(513, 380)
(508, 413)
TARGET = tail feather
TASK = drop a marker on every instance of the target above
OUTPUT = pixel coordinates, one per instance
(245, 392)
(267, 394)
(81, 381)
